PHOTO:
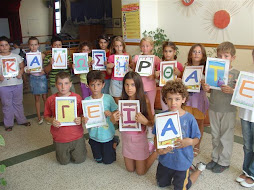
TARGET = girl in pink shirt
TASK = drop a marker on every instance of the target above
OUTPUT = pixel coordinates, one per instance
(146, 46)
(116, 83)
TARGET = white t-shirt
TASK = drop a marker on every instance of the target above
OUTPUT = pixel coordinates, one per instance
(10, 81)
(246, 115)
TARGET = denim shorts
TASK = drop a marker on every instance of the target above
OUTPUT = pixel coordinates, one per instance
(115, 88)
(38, 84)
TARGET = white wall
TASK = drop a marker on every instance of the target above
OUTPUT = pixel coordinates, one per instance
(35, 19)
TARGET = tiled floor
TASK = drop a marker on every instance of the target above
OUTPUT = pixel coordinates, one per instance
(32, 164)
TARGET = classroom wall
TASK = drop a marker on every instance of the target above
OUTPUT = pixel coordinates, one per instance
(35, 19)
(116, 13)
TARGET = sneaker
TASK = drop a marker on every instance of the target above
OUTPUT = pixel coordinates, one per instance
(219, 169)
(239, 179)
(201, 166)
(211, 165)
(40, 121)
(245, 184)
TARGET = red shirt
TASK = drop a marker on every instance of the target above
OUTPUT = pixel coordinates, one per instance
(64, 134)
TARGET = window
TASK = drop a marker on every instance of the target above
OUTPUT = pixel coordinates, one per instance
(58, 16)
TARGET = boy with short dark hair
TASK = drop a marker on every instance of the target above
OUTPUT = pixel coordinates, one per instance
(68, 140)
(101, 138)
(174, 163)
(222, 114)
(56, 42)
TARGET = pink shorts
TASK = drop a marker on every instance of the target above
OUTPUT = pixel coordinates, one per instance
(135, 146)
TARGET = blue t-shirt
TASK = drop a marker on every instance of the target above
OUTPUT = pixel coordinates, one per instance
(104, 133)
(181, 159)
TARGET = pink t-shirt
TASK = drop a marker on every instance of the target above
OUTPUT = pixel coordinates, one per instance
(111, 59)
(149, 85)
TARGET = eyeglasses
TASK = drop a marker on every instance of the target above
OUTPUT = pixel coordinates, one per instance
(196, 52)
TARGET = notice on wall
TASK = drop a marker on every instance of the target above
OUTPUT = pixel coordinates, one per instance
(131, 22)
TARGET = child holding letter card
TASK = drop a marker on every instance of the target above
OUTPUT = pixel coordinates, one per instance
(216, 73)
(129, 110)
(66, 110)
(68, 140)
(99, 57)
(60, 58)
(192, 78)
(174, 163)
(243, 96)
(167, 71)
(165, 121)
(80, 61)
(94, 111)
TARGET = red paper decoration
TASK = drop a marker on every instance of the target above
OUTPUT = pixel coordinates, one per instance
(221, 19)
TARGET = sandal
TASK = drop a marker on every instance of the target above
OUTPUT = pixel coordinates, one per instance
(8, 128)
(26, 124)
(196, 151)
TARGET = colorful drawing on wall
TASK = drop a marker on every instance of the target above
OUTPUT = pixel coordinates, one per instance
(192, 78)
(66, 110)
(167, 71)
(99, 57)
(188, 7)
(145, 65)
(34, 62)
(218, 16)
(60, 58)
(168, 129)
(10, 67)
(248, 3)
(80, 61)
(216, 72)
(121, 65)
(128, 110)
(243, 96)
(94, 111)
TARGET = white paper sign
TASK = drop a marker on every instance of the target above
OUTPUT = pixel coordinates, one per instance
(128, 110)
(145, 65)
(60, 58)
(192, 78)
(34, 62)
(10, 67)
(121, 65)
(94, 111)
(80, 61)
(243, 96)
(167, 71)
(168, 129)
(99, 57)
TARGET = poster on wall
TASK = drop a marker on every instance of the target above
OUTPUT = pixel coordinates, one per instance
(131, 22)
(216, 73)
(243, 96)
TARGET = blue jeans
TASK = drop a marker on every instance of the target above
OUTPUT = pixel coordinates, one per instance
(105, 89)
(248, 147)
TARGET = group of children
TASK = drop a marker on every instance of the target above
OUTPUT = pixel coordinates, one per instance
(174, 163)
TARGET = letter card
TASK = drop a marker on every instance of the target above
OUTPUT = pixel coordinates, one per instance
(216, 72)
(60, 58)
(10, 67)
(99, 57)
(94, 111)
(80, 61)
(121, 65)
(34, 62)
(168, 129)
(243, 96)
(66, 110)
(192, 76)
(167, 71)
(144, 65)
(128, 110)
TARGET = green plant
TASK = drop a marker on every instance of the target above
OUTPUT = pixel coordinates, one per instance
(2, 167)
(158, 37)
